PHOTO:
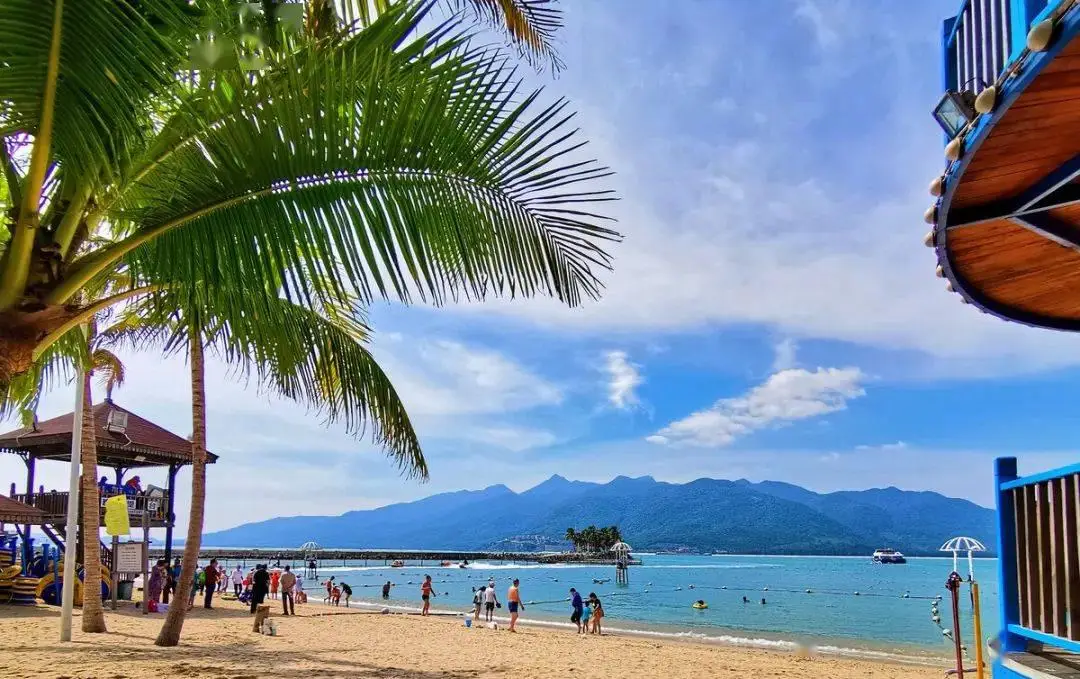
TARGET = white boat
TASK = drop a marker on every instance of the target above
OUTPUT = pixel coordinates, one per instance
(886, 555)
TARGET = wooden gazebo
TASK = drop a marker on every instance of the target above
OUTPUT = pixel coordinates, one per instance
(125, 441)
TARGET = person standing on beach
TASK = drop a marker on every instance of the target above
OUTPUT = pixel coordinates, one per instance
(490, 602)
(210, 579)
(238, 581)
(426, 592)
(576, 608)
(478, 602)
(513, 602)
(275, 578)
(260, 586)
(597, 613)
(288, 581)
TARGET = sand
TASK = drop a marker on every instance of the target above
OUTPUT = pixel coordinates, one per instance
(321, 642)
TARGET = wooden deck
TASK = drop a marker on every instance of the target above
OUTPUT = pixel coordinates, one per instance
(1006, 264)
(1044, 665)
(54, 505)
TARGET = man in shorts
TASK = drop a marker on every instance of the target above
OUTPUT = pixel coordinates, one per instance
(576, 608)
(490, 601)
(426, 592)
(513, 602)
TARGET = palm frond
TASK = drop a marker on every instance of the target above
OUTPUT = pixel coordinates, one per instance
(318, 357)
(108, 368)
(118, 59)
(415, 171)
(531, 24)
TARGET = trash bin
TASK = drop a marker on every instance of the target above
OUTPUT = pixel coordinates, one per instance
(123, 590)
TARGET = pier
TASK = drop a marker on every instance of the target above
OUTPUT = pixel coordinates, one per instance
(383, 557)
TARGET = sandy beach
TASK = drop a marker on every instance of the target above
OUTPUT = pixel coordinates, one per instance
(325, 642)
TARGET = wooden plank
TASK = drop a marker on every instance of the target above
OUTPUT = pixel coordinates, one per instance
(1022, 556)
(1043, 541)
(1070, 490)
(1058, 572)
(1031, 547)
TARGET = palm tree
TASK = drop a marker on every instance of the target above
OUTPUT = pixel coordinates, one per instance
(418, 170)
(572, 537)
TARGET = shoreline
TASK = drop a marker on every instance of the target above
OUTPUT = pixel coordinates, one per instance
(722, 637)
(328, 642)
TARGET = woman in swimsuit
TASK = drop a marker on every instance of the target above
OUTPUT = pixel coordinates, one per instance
(597, 613)
(426, 592)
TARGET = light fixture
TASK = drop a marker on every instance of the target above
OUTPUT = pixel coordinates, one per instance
(928, 239)
(937, 187)
(948, 286)
(930, 216)
(954, 111)
(1038, 38)
(984, 103)
(954, 149)
(939, 271)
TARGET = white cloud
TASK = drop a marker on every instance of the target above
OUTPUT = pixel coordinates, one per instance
(623, 379)
(515, 439)
(786, 350)
(786, 396)
(884, 447)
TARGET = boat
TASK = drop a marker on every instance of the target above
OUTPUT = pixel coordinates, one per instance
(886, 555)
(397, 564)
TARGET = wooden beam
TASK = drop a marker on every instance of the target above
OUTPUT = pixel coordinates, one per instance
(1051, 228)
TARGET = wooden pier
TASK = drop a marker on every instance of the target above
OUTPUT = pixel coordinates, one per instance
(380, 557)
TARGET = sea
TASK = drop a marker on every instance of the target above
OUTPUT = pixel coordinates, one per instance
(831, 605)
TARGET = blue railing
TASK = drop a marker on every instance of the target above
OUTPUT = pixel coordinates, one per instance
(1039, 557)
(984, 38)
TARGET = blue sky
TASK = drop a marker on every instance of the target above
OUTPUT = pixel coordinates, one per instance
(772, 313)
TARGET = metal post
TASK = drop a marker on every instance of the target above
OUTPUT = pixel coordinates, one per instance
(977, 628)
(68, 599)
(1008, 594)
(30, 462)
(170, 515)
(115, 573)
(145, 560)
(953, 585)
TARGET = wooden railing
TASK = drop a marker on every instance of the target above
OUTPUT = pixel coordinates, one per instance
(1039, 563)
(54, 504)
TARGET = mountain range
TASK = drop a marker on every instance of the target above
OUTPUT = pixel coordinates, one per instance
(705, 515)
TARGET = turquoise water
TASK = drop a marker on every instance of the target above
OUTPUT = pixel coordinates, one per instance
(657, 600)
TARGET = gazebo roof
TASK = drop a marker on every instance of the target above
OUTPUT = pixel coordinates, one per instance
(13, 511)
(141, 443)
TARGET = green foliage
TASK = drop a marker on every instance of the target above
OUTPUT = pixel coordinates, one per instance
(593, 539)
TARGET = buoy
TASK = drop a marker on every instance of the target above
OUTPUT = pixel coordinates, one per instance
(764, 589)
(691, 587)
(724, 587)
(808, 591)
(856, 594)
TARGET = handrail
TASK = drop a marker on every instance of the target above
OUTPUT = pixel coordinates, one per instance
(1039, 556)
(54, 503)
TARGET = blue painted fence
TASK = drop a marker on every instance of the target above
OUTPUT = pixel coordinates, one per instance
(984, 37)
(1039, 556)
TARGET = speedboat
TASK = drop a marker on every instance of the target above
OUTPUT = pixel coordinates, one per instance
(886, 555)
(397, 564)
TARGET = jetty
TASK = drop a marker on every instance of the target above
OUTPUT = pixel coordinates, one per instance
(382, 557)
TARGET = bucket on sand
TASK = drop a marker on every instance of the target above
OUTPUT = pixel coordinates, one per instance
(468, 622)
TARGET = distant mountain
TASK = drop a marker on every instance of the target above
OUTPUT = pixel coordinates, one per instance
(704, 515)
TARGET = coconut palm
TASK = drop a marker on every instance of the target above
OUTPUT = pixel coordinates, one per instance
(388, 158)
(572, 537)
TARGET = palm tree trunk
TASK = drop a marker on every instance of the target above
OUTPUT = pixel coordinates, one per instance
(174, 621)
(93, 616)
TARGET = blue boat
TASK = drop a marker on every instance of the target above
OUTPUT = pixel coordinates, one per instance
(1006, 234)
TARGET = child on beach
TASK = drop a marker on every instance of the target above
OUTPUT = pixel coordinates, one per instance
(275, 580)
(586, 613)
(329, 584)
(426, 592)
(335, 596)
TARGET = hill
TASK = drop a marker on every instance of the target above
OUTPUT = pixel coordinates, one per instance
(705, 515)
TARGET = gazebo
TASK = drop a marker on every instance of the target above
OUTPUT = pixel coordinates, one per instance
(125, 441)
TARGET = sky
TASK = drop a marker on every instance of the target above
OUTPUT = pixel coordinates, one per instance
(772, 312)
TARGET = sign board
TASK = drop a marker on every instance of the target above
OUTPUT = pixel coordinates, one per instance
(130, 557)
(153, 504)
